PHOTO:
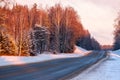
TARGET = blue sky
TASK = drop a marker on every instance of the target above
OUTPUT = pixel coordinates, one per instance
(96, 15)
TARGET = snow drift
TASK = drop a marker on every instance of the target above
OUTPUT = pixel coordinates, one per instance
(116, 52)
(15, 60)
(108, 70)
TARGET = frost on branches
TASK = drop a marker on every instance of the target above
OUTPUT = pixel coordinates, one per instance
(39, 38)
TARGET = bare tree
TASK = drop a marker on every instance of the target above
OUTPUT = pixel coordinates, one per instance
(55, 16)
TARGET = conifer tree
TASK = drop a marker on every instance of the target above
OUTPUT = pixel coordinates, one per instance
(117, 34)
(39, 40)
(7, 45)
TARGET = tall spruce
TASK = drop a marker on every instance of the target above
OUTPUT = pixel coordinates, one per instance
(39, 40)
(7, 46)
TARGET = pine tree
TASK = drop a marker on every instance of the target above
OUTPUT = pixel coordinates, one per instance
(117, 36)
(7, 45)
(39, 40)
(95, 44)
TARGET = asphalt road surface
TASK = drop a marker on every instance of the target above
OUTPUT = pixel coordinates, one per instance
(59, 69)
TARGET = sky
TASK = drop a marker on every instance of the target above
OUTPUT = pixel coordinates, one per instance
(96, 15)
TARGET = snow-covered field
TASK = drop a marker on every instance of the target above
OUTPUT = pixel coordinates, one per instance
(15, 60)
(108, 70)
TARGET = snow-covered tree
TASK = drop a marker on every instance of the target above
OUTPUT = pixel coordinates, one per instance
(7, 44)
(95, 44)
(117, 34)
(39, 38)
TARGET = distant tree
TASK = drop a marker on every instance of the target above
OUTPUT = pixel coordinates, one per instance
(107, 47)
(95, 44)
(117, 34)
(87, 42)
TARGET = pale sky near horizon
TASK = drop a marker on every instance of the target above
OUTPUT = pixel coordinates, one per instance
(96, 15)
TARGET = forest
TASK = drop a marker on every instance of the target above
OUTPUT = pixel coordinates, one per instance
(30, 31)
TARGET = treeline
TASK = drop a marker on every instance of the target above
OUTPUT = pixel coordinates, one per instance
(116, 44)
(88, 42)
(62, 24)
(25, 31)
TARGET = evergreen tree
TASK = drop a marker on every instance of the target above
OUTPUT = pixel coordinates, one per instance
(7, 45)
(95, 44)
(39, 40)
(117, 34)
(87, 42)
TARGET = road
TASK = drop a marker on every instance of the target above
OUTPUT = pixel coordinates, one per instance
(59, 69)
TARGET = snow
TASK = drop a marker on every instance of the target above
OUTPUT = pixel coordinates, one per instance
(16, 60)
(116, 52)
(79, 50)
(107, 70)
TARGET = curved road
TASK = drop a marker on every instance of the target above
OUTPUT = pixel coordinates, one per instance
(59, 69)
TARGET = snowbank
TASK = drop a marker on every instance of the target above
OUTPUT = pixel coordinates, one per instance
(79, 50)
(116, 52)
(108, 70)
(15, 60)
(10, 60)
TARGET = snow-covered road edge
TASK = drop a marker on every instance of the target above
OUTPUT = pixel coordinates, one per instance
(83, 73)
(46, 56)
(16, 60)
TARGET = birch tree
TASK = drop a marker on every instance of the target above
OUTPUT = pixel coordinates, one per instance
(55, 17)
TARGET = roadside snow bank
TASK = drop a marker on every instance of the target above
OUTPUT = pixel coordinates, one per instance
(108, 70)
(79, 50)
(15, 60)
(116, 52)
(12, 60)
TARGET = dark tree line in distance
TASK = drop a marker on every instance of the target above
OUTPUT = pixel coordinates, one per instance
(87, 42)
(116, 44)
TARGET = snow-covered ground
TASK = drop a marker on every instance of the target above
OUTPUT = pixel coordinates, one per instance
(116, 52)
(108, 70)
(80, 50)
(15, 60)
